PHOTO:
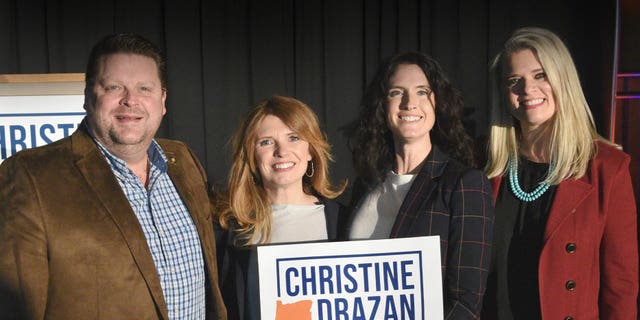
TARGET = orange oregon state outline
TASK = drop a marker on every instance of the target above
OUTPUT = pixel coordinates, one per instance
(300, 310)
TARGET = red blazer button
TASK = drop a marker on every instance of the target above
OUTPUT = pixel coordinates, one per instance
(570, 285)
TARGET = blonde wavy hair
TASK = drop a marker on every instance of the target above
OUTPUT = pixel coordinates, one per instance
(573, 134)
(245, 207)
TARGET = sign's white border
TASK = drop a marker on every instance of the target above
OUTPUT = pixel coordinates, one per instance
(425, 251)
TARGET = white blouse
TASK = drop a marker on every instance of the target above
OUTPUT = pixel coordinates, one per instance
(297, 223)
(377, 210)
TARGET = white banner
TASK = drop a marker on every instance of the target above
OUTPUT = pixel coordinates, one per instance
(31, 121)
(354, 280)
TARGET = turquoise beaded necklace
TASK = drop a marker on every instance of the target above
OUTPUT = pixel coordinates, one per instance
(517, 190)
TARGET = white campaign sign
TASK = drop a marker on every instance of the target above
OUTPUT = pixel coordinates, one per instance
(32, 121)
(355, 280)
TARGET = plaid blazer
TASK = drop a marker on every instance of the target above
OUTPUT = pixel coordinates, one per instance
(455, 202)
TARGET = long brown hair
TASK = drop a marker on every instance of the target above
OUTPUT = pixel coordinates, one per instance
(371, 140)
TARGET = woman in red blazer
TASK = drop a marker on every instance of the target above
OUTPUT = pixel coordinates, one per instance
(565, 238)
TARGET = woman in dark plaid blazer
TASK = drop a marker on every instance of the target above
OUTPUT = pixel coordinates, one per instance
(413, 159)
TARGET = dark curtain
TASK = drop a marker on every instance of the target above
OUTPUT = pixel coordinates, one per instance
(225, 55)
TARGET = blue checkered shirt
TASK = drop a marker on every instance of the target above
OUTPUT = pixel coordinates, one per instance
(170, 232)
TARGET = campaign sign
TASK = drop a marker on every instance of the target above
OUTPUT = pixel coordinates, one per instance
(354, 280)
(32, 121)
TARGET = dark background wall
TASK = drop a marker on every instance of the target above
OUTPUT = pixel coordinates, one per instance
(225, 55)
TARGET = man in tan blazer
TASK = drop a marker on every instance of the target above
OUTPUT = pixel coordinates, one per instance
(110, 223)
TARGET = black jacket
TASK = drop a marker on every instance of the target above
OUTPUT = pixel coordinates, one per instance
(238, 266)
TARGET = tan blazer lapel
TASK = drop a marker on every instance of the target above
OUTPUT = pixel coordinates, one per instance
(106, 189)
(193, 190)
(198, 206)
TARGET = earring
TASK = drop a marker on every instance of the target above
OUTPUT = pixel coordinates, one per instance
(312, 170)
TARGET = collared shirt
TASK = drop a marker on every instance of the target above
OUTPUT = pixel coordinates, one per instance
(170, 232)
